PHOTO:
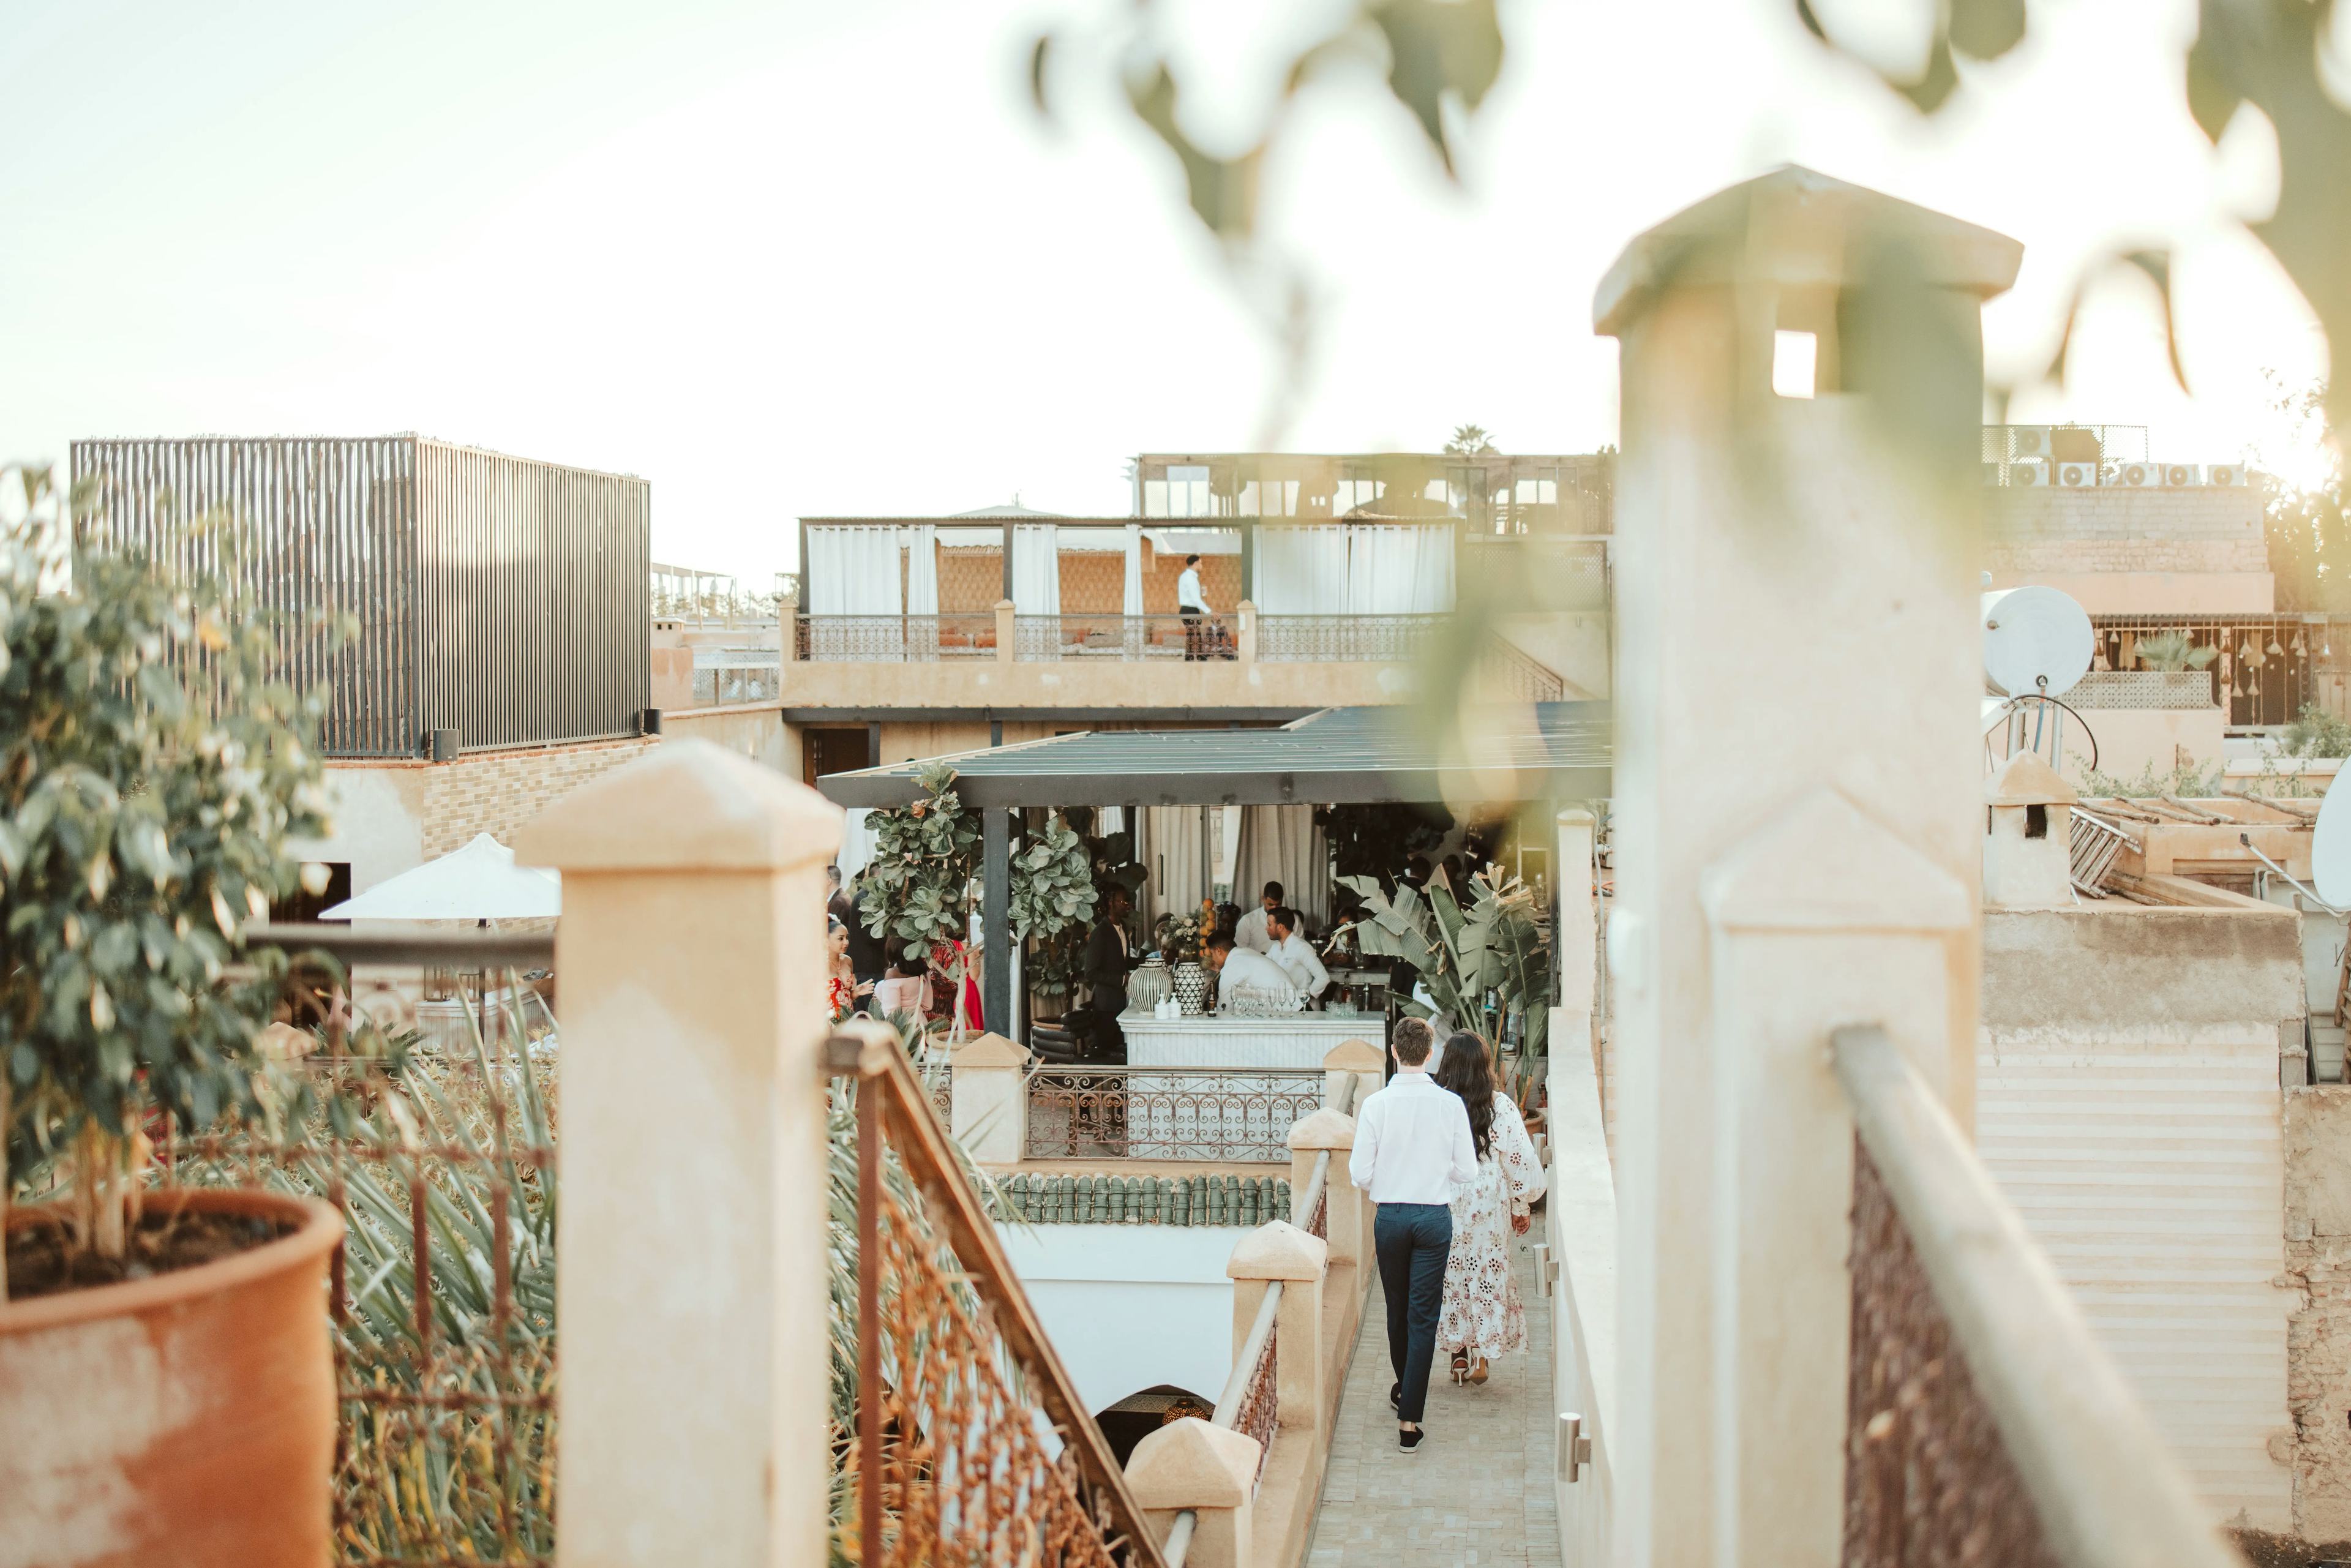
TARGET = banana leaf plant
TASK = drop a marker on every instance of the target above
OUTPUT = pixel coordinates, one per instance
(1476, 964)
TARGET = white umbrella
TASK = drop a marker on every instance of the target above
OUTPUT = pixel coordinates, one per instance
(480, 882)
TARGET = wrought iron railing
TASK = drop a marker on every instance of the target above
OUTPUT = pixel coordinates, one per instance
(2259, 669)
(970, 1444)
(1050, 639)
(1346, 639)
(894, 639)
(1984, 1424)
(1232, 1116)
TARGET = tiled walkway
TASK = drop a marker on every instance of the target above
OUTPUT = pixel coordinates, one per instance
(1478, 1495)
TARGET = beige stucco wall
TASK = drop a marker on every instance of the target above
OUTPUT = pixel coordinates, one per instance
(986, 683)
(2116, 550)
(2131, 740)
(754, 729)
(1574, 647)
(2127, 1103)
(2318, 1265)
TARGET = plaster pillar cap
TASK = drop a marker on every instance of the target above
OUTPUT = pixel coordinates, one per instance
(1191, 1464)
(1004, 604)
(2025, 780)
(990, 1050)
(685, 805)
(1329, 1128)
(1354, 1056)
(1278, 1250)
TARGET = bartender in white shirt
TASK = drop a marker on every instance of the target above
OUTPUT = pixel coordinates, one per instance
(1237, 969)
(1251, 933)
(1295, 954)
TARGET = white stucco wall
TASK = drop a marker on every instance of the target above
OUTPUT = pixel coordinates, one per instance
(378, 817)
(1130, 1307)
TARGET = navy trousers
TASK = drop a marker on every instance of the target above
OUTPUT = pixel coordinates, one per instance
(1412, 1241)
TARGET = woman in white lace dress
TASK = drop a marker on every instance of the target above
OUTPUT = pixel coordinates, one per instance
(1484, 1317)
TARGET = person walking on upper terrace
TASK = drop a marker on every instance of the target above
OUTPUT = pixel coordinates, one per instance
(1412, 1153)
(1483, 1316)
(1192, 604)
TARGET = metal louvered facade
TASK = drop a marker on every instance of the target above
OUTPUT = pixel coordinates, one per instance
(501, 598)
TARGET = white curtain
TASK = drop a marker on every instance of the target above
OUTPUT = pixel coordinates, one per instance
(1036, 568)
(1281, 844)
(856, 844)
(1133, 599)
(1399, 570)
(852, 570)
(922, 570)
(1176, 837)
(1302, 569)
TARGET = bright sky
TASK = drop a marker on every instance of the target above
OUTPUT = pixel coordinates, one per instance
(793, 258)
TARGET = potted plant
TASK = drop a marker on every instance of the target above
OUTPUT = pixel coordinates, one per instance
(150, 771)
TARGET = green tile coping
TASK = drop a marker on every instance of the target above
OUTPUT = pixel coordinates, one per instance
(1043, 1199)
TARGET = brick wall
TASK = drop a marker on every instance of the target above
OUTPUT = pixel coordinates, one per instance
(1093, 582)
(2047, 530)
(495, 792)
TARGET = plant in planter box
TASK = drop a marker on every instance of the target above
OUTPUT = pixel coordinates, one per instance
(152, 765)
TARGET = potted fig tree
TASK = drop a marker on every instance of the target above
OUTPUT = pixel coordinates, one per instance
(165, 1380)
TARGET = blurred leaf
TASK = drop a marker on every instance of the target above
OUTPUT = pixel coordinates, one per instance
(1223, 191)
(1986, 29)
(2211, 100)
(2157, 265)
(1038, 56)
(1437, 47)
(1933, 90)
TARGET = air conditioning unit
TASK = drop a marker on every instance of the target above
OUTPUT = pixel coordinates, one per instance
(2028, 441)
(2135, 473)
(1995, 473)
(2182, 474)
(2074, 476)
(2226, 473)
(2028, 472)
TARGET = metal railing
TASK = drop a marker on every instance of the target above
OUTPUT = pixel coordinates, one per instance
(970, 1444)
(2099, 444)
(1507, 670)
(1232, 1116)
(2261, 669)
(1985, 1423)
(1248, 1403)
(1346, 639)
(1048, 639)
(894, 639)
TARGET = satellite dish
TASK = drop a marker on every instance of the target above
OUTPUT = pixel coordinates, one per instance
(2330, 845)
(2036, 640)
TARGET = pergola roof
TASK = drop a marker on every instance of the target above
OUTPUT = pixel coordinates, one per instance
(1339, 756)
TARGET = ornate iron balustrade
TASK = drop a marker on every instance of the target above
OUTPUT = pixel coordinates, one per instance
(1131, 639)
(894, 639)
(970, 1444)
(1344, 639)
(1983, 1424)
(1232, 1116)
(1259, 1412)
(2259, 669)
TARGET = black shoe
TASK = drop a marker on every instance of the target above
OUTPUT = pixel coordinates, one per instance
(1395, 1396)
(1409, 1442)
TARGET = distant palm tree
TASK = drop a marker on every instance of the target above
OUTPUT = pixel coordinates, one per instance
(2172, 651)
(1469, 441)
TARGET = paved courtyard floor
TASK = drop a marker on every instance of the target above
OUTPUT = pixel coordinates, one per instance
(1478, 1493)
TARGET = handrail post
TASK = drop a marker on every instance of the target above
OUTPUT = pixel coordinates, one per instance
(693, 1229)
(1245, 636)
(988, 1096)
(1357, 1059)
(1212, 1470)
(1347, 1222)
(1277, 1250)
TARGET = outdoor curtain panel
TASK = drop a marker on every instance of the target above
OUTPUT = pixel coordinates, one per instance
(1132, 600)
(1354, 568)
(1281, 844)
(853, 571)
(1036, 570)
(922, 570)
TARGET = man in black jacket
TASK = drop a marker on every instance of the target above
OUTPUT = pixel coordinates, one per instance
(1108, 959)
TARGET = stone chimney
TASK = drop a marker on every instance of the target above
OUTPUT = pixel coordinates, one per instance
(2028, 850)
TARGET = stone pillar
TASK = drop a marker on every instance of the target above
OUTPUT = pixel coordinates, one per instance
(1349, 1222)
(1005, 649)
(693, 1229)
(1576, 939)
(1211, 1470)
(2028, 847)
(1358, 1059)
(1245, 635)
(988, 1096)
(1277, 1250)
(1839, 529)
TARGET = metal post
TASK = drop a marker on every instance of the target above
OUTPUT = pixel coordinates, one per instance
(1248, 551)
(996, 916)
(1007, 567)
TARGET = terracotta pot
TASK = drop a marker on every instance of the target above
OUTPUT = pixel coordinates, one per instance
(186, 1419)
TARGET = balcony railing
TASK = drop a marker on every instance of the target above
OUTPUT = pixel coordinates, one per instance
(1346, 639)
(1231, 1116)
(894, 639)
(1132, 638)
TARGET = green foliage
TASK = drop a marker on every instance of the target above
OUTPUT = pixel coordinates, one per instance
(1052, 883)
(2316, 733)
(2173, 650)
(2184, 779)
(1470, 441)
(1177, 937)
(1478, 964)
(918, 886)
(152, 764)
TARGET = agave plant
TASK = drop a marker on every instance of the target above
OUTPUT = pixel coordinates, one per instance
(2174, 650)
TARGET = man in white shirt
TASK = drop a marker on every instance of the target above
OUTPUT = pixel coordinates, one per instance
(1295, 954)
(1237, 969)
(1251, 933)
(1412, 1153)
(1193, 605)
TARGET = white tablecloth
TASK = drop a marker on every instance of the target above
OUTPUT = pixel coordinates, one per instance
(1300, 1041)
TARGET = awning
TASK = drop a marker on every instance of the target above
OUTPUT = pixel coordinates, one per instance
(1340, 755)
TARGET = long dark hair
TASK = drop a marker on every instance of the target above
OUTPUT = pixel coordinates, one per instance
(1469, 1071)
